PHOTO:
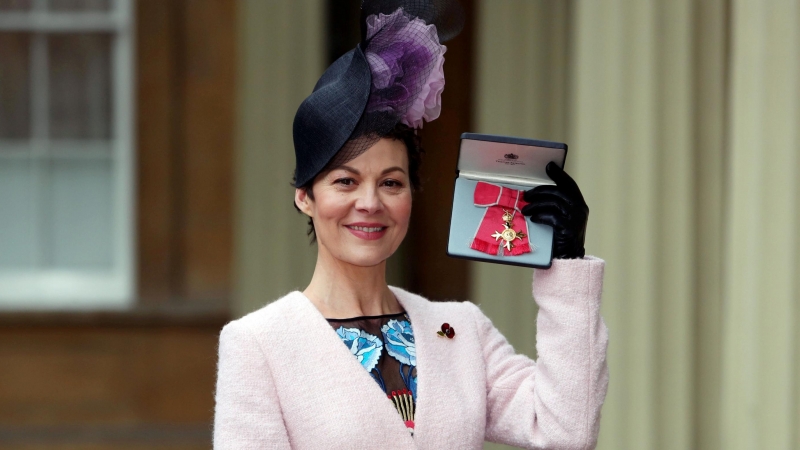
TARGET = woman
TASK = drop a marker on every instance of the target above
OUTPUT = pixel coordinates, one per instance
(411, 373)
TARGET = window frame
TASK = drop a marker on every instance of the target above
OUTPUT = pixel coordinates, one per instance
(47, 288)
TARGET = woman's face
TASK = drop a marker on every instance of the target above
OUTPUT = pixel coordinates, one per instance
(361, 210)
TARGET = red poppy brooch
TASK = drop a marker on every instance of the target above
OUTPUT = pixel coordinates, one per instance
(447, 330)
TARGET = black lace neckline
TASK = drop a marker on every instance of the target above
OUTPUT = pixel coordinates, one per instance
(366, 317)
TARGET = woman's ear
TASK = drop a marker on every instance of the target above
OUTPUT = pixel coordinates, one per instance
(302, 200)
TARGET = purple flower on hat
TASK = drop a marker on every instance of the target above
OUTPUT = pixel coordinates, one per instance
(428, 104)
(406, 61)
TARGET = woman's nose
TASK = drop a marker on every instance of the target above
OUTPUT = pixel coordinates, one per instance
(368, 201)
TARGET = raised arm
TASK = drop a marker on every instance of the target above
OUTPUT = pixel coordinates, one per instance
(247, 415)
(553, 403)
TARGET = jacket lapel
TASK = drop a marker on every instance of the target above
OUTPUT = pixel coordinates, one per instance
(430, 403)
(445, 388)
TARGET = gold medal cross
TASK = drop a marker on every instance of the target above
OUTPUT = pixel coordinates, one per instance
(508, 234)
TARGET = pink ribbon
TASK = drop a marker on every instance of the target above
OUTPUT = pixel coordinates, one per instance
(496, 199)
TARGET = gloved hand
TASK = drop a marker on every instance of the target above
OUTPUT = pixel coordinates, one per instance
(563, 208)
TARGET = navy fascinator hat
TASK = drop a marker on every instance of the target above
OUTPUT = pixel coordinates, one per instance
(394, 75)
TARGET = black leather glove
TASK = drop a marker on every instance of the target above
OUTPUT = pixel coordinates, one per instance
(563, 208)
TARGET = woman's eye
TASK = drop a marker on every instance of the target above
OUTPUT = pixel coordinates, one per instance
(392, 183)
(345, 181)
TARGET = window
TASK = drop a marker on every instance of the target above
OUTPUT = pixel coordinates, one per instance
(66, 154)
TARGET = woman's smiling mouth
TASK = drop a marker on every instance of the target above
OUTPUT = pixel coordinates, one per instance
(367, 231)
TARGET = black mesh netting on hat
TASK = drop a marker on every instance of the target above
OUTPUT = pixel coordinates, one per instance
(401, 40)
(446, 15)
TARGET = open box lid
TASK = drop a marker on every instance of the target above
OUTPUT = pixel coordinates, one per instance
(506, 159)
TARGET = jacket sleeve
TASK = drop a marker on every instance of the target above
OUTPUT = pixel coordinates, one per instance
(247, 414)
(553, 403)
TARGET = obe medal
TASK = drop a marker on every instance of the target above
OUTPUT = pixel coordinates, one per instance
(508, 235)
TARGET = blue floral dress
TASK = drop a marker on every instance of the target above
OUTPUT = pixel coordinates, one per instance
(384, 345)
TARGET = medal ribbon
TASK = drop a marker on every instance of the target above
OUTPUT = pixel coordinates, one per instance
(497, 198)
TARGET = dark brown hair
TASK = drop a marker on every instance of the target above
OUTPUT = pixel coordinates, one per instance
(400, 132)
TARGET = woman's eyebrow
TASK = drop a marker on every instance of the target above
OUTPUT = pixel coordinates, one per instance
(349, 169)
(392, 169)
(385, 171)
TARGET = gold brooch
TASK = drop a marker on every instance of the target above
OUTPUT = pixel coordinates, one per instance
(508, 234)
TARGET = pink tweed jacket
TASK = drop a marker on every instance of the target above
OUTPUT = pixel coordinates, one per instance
(286, 380)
